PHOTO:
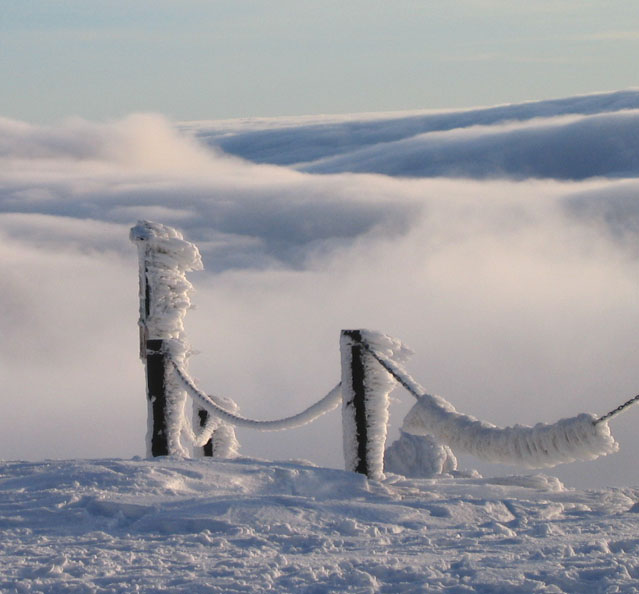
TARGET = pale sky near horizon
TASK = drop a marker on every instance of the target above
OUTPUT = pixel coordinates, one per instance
(196, 59)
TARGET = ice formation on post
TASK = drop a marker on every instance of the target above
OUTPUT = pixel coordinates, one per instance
(365, 406)
(222, 435)
(164, 259)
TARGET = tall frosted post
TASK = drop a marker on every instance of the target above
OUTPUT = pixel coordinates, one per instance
(365, 389)
(164, 259)
(354, 401)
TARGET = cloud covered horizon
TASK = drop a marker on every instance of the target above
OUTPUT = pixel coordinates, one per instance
(571, 138)
(519, 297)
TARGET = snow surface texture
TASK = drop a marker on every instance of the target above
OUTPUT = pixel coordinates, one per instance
(544, 445)
(248, 526)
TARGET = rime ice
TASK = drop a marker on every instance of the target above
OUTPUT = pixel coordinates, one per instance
(544, 445)
(165, 258)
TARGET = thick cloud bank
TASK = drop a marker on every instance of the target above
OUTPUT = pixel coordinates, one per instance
(574, 138)
(519, 297)
(571, 147)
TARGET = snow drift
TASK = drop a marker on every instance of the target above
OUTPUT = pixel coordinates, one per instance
(249, 526)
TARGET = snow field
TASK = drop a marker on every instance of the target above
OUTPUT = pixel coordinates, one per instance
(208, 526)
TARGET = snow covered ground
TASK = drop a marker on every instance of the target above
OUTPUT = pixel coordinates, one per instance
(248, 525)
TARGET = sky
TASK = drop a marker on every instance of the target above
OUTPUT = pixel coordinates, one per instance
(196, 59)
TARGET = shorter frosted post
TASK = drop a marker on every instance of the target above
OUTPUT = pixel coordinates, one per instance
(354, 423)
(221, 441)
(203, 417)
(365, 389)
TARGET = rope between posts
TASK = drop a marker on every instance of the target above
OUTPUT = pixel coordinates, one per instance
(616, 411)
(322, 406)
(404, 379)
(417, 391)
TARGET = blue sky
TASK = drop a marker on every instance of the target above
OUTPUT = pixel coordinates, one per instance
(196, 59)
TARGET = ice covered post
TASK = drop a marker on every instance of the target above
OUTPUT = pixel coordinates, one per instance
(354, 402)
(164, 259)
(365, 389)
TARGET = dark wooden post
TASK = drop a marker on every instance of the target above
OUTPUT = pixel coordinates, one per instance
(164, 258)
(155, 359)
(156, 393)
(153, 355)
(354, 405)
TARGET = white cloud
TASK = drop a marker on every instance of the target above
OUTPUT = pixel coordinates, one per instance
(519, 298)
(346, 142)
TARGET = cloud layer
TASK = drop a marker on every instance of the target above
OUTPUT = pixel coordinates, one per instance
(519, 297)
(571, 138)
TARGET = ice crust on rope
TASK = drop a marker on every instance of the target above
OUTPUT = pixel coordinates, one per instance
(378, 384)
(544, 445)
(541, 446)
(164, 259)
(214, 406)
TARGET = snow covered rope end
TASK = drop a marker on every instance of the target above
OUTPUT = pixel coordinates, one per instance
(544, 445)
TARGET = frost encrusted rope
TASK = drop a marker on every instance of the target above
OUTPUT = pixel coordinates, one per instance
(326, 404)
(583, 437)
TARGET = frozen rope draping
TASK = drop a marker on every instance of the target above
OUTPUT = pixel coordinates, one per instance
(583, 437)
(326, 404)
